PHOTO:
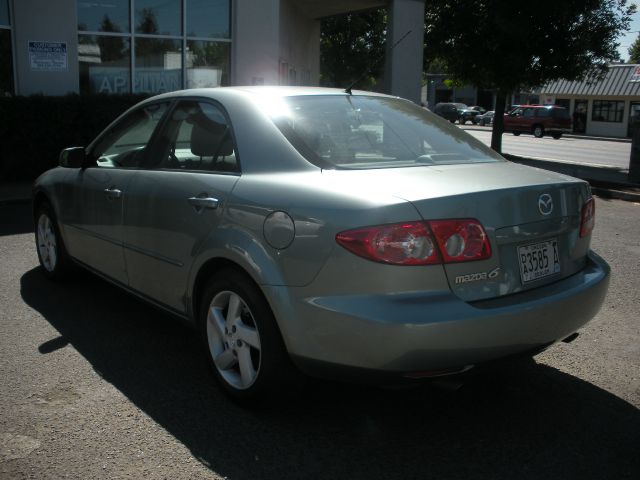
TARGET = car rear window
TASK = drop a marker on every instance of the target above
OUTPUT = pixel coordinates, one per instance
(363, 132)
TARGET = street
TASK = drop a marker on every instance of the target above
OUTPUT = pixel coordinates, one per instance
(587, 151)
(96, 384)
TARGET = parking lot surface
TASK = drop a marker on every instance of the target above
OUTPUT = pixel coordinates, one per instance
(96, 384)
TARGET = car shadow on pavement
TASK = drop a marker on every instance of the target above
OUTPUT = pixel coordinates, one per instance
(538, 423)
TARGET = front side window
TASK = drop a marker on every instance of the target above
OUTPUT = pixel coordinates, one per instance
(344, 131)
(124, 145)
(528, 113)
(197, 136)
(607, 111)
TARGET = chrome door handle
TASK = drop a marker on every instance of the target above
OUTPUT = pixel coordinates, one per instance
(112, 192)
(204, 202)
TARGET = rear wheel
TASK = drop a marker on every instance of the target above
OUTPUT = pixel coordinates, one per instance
(556, 135)
(52, 253)
(244, 346)
(516, 133)
(538, 131)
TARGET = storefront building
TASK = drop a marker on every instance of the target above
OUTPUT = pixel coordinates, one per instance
(600, 107)
(153, 46)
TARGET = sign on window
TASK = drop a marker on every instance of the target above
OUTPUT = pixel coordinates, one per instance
(48, 56)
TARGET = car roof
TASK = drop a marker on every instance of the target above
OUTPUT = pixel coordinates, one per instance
(276, 91)
(540, 106)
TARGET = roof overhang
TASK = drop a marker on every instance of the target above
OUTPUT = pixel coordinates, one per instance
(327, 8)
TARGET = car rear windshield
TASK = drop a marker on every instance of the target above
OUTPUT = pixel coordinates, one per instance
(363, 132)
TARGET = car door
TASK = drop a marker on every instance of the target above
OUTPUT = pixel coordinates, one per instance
(103, 186)
(528, 119)
(178, 199)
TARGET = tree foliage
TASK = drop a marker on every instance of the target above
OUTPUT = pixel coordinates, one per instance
(512, 45)
(350, 45)
(634, 51)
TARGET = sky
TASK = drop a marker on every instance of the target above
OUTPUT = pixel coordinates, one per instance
(627, 39)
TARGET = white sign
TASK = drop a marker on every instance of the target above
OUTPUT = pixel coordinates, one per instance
(635, 76)
(48, 56)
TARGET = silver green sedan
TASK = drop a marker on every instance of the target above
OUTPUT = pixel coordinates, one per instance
(340, 234)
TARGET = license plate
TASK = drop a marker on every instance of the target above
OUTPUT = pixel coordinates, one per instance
(538, 260)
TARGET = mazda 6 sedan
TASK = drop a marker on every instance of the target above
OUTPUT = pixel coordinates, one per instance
(352, 235)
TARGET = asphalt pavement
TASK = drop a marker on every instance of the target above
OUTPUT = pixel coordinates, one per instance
(98, 385)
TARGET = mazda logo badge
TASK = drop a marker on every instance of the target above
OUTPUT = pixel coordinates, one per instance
(545, 204)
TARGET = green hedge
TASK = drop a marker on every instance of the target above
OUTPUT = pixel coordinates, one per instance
(34, 129)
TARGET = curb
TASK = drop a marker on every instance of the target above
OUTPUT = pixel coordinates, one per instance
(477, 128)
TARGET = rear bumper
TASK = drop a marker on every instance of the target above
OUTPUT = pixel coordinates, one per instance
(400, 333)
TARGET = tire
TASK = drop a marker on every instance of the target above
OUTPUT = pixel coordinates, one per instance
(452, 121)
(516, 133)
(538, 131)
(243, 343)
(556, 136)
(52, 253)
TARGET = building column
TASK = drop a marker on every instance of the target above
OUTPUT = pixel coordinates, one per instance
(403, 64)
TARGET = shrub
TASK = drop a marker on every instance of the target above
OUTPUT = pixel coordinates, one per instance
(34, 129)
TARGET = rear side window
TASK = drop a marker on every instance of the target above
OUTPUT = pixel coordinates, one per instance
(196, 136)
(361, 132)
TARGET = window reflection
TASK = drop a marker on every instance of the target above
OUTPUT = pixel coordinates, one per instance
(158, 65)
(207, 64)
(104, 64)
(208, 18)
(158, 17)
(103, 16)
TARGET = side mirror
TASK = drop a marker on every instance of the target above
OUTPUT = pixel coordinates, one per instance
(73, 157)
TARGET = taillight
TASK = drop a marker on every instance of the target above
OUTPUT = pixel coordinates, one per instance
(587, 218)
(409, 243)
(461, 240)
(419, 243)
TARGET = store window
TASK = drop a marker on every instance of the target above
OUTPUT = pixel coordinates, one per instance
(607, 111)
(140, 46)
(6, 51)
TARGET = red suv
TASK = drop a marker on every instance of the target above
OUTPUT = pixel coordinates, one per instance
(538, 120)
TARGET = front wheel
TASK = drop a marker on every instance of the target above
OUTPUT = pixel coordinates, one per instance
(556, 136)
(516, 133)
(538, 131)
(52, 253)
(245, 349)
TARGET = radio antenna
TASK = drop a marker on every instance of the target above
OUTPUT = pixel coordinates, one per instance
(348, 89)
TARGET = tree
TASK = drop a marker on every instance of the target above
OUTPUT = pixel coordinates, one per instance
(511, 45)
(350, 45)
(634, 51)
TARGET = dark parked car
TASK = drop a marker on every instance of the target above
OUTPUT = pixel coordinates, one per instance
(538, 120)
(447, 110)
(465, 113)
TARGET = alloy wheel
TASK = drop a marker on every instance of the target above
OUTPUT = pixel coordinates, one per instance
(47, 243)
(233, 340)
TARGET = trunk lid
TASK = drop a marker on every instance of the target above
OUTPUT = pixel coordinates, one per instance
(522, 209)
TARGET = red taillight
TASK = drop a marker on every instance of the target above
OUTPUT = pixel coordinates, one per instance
(419, 243)
(409, 243)
(587, 218)
(461, 240)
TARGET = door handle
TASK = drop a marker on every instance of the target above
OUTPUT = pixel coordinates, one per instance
(112, 192)
(204, 202)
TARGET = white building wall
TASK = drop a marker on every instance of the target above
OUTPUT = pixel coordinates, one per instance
(45, 21)
(608, 129)
(255, 39)
(299, 47)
